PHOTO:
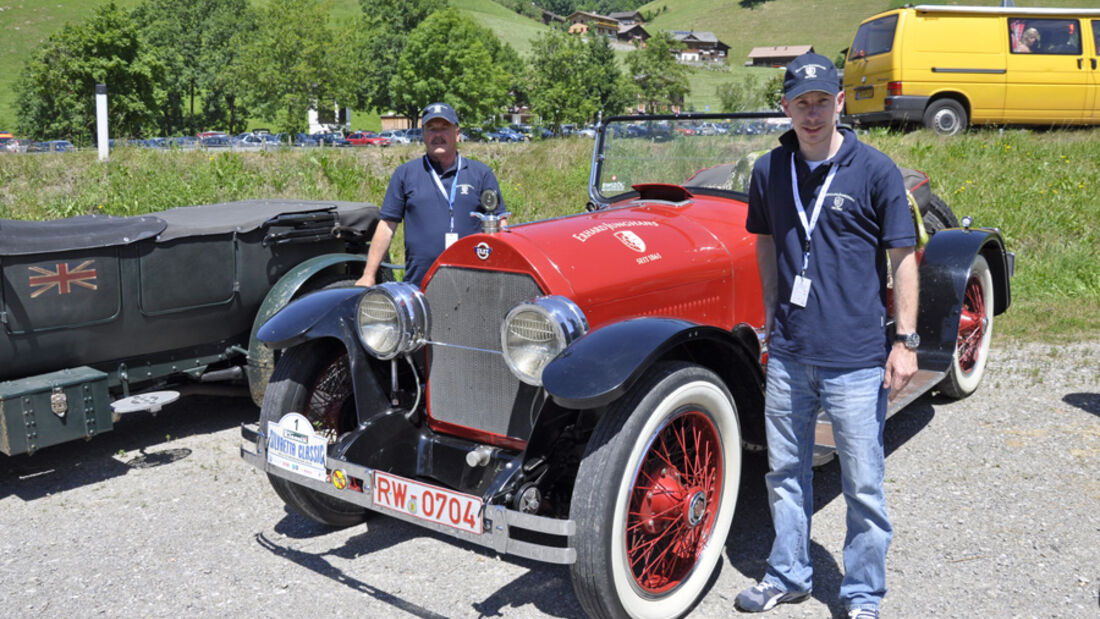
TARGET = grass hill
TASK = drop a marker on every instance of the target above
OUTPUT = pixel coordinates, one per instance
(826, 24)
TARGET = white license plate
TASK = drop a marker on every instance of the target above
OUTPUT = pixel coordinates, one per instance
(865, 92)
(426, 502)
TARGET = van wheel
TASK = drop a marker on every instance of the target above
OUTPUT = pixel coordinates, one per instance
(945, 117)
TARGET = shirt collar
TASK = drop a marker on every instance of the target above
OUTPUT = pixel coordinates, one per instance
(438, 169)
(844, 156)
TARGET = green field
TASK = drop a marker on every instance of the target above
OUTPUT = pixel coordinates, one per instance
(1038, 187)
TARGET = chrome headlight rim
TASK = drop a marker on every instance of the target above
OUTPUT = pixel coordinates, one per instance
(411, 320)
(565, 323)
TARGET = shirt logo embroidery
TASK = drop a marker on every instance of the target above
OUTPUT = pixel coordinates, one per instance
(838, 201)
(466, 189)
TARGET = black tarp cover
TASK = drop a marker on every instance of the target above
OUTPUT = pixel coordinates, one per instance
(18, 238)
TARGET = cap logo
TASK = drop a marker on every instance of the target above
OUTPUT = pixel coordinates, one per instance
(437, 109)
(811, 70)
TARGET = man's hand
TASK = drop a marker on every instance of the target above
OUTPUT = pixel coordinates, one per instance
(379, 246)
(901, 365)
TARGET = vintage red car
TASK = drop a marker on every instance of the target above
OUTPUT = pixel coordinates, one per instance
(367, 138)
(580, 390)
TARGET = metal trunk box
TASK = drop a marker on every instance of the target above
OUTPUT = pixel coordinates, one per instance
(52, 408)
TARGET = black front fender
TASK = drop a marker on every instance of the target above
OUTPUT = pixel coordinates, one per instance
(325, 313)
(944, 271)
(602, 365)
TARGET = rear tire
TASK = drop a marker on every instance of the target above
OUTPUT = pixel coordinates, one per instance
(655, 494)
(938, 216)
(946, 117)
(975, 333)
(313, 379)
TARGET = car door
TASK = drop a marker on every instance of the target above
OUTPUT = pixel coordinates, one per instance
(1047, 80)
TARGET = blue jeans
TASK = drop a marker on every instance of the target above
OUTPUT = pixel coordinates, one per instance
(855, 402)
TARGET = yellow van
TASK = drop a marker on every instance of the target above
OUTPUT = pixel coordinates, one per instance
(952, 66)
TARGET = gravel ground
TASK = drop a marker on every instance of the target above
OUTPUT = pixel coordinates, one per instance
(995, 501)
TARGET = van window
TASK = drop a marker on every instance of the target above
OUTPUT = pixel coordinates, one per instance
(1044, 36)
(874, 37)
(1096, 37)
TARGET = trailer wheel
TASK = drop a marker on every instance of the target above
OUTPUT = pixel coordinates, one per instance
(313, 379)
(655, 495)
(975, 333)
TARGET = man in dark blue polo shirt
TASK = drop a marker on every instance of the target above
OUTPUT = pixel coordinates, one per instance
(434, 195)
(826, 210)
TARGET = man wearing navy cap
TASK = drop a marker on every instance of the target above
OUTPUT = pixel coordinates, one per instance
(827, 210)
(434, 195)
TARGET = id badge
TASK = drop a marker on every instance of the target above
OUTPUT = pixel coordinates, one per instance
(449, 239)
(800, 293)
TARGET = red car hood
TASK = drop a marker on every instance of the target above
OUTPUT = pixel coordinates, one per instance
(649, 258)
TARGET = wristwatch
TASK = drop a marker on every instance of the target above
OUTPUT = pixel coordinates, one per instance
(911, 340)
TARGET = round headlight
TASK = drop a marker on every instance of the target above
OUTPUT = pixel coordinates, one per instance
(535, 332)
(392, 319)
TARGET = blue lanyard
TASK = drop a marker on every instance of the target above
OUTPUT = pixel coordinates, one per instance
(454, 185)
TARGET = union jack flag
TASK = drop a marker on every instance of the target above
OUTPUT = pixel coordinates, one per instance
(62, 278)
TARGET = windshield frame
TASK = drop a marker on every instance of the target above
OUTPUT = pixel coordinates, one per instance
(597, 200)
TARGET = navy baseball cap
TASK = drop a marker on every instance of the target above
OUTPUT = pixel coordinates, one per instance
(439, 110)
(808, 73)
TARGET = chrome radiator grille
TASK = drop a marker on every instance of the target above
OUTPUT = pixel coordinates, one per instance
(474, 388)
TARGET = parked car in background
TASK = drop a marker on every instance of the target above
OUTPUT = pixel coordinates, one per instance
(367, 138)
(527, 130)
(8, 144)
(50, 146)
(305, 140)
(110, 315)
(581, 390)
(395, 136)
(202, 135)
(184, 142)
(416, 134)
(331, 139)
(588, 132)
(217, 141)
(511, 135)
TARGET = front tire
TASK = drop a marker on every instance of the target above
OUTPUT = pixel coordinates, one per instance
(975, 333)
(655, 495)
(313, 379)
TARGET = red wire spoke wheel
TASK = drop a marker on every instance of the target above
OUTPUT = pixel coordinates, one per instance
(975, 333)
(673, 503)
(655, 494)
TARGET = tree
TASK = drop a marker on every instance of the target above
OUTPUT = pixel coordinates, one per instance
(607, 83)
(55, 93)
(572, 79)
(745, 95)
(376, 43)
(661, 81)
(196, 42)
(292, 63)
(446, 58)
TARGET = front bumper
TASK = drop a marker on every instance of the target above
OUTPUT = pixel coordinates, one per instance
(502, 527)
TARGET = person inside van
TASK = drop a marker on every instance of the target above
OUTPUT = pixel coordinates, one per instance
(1029, 42)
